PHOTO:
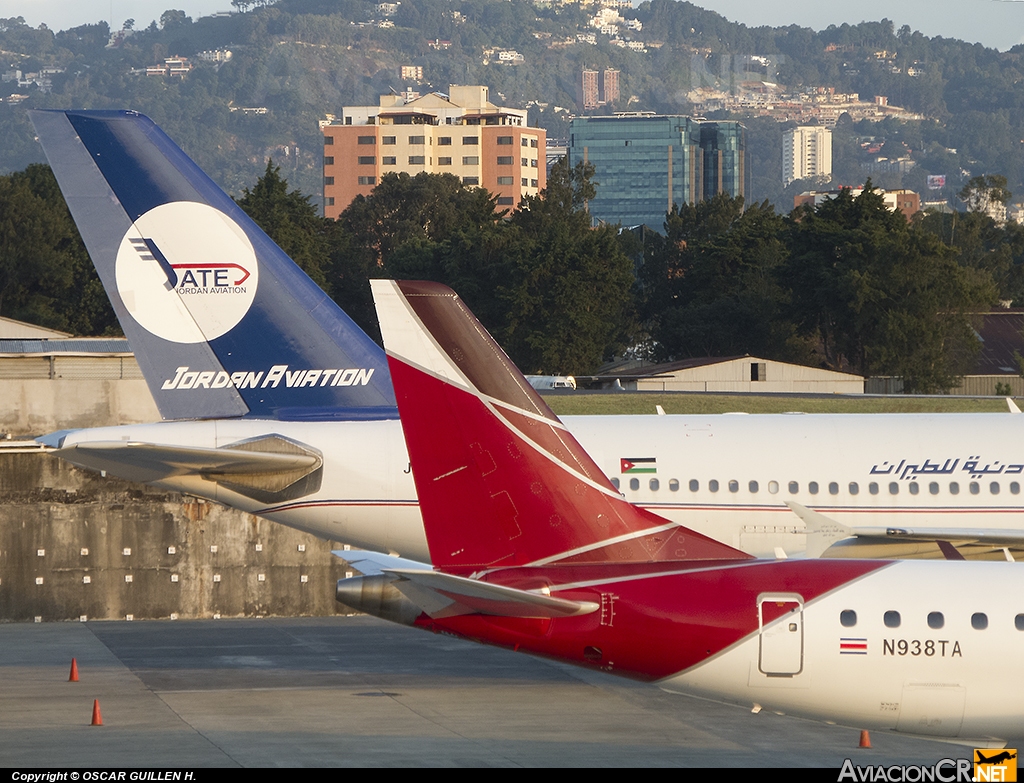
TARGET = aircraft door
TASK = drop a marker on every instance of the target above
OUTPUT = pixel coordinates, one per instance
(781, 642)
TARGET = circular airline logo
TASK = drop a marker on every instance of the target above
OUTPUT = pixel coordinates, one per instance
(186, 272)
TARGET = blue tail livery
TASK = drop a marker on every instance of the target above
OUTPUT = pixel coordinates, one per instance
(222, 322)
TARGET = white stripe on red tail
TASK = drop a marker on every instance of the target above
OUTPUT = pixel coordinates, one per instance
(500, 480)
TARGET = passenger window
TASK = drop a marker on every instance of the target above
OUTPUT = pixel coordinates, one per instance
(936, 620)
(654, 484)
(894, 488)
(773, 487)
(734, 485)
(979, 621)
(1018, 622)
(695, 485)
(854, 489)
(994, 487)
(1014, 488)
(974, 487)
(934, 488)
(634, 484)
(833, 488)
(914, 488)
(848, 618)
(752, 486)
(954, 488)
(673, 485)
(891, 619)
(794, 487)
(873, 487)
(713, 485)
(812, 487)
(615, 483)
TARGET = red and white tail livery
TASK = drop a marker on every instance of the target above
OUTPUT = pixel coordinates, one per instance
(487, 448)
(534, 550)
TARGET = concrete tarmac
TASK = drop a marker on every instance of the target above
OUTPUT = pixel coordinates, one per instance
(357, 691)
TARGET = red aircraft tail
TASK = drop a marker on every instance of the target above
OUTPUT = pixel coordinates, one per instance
(500, 481)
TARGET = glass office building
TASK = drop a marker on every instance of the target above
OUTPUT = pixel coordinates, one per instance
(643, 164)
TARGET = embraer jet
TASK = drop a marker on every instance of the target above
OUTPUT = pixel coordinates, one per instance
(534, 549)
(276, 403)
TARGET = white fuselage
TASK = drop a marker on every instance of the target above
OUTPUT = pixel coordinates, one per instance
(932, 650)
(727, 476)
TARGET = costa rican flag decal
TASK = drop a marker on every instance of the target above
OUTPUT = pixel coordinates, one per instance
(852, 646)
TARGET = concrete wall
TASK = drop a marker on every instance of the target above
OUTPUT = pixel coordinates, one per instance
(51, 512)
(35, 406)
(61, 526)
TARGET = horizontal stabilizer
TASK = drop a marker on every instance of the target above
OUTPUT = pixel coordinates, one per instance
(373, 563)
(269, 468)
(444, 595)
(822, 532)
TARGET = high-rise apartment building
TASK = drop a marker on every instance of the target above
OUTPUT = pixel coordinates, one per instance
(643, 164)
(597, 88)
(609, 85)
(590, 90)
(806, 153)
(461, 133)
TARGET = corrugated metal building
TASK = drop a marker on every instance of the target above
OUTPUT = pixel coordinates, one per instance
(738, 374)
(84, 358)
(1001, 333)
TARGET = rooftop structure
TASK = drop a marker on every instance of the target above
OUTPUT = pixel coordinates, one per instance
(906, 201)
(461, 133)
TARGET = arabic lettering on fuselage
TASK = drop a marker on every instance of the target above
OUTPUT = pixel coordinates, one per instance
(972, 465)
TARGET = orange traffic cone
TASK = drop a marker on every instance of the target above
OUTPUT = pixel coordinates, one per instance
(74, 671)
(97, 719)
(865, 739)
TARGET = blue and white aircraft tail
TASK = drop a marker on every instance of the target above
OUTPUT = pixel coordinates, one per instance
(222, 322)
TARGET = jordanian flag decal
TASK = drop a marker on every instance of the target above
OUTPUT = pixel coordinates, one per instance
(638, 465)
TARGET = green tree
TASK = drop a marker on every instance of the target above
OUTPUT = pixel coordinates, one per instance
(291, 221)
(46, 277)
(883, 297)
(567, 298)
(554, 292)
(173, 18)
(981, 243)
(427, 226)
(985, 192)
(710, 286)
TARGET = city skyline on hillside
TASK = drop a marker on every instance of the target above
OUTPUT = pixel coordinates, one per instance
(994, 23)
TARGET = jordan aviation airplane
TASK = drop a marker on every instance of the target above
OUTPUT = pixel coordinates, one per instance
(534, 549)
(276, 403)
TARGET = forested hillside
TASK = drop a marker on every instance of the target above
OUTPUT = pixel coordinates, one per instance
(302, 59)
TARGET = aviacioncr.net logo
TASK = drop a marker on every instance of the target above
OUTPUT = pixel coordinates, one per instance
(186, 272)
